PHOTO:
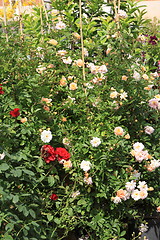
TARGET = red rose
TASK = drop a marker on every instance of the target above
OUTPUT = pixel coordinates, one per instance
(48, 153)
(62, 153)
(1, 91)
(15, 112)
(54, 196)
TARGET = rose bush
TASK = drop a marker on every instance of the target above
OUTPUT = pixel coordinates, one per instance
(79, 122)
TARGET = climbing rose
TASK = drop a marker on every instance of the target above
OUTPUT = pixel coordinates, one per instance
(1, 91)
(62, 153)
(48, 153)
(54, 196)
(15, 112)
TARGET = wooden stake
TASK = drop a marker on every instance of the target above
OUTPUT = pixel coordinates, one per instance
(5, 20)
(81, 34)
(20, 19)
(49, 26)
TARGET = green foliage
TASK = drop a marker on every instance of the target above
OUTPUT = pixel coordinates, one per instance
(54, 95)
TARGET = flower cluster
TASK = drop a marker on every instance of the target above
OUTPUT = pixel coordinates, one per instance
(141, 192)
(139, 153)
(49, 154)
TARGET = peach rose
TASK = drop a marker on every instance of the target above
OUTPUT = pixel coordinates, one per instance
(73, 86)
(124, 77)
(23, 120)
(53, 42)
(121, 193)
(118, 131)
(63, 81)
(158, 209)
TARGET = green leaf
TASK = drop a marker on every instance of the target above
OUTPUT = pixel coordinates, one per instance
(70, 211)
(57, 220)
(7, 237)
(81, 202)
(4, 167)
(15, 199)
(9, 227)
(49, 217)
(28, 172)
(32, 213)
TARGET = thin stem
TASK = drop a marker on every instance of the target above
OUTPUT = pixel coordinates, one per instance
(20, 19)
(5, 20)
(49, 26)
(81, 34)
(116, 12)
(41, 19)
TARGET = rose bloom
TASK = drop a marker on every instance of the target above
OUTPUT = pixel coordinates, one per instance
(149, 130)
(124, 77)
(75, 194)
(54, 197)
(79, 62)
(88, 180)
(1, 91)
(102, 69)
(130, 186)
(158, 209)
(141, 155)
(123, 95)
(118, 131)
(2, 155)
(95, 142)
(60, 25)
(47, 100)
(50, 66)
(135, 194)
(67, 164)
(153, 103)
(108, 50)
(40, 69)
(143, 194)
(73, 86)
(85, 165)
(53, 42)
(121, 193)
(63, 81)
(149, 87)
(136, 75)
(153, 165)
(138, 146)
(142, 185)
(46, 108)
(48, 153)
(116, 199)
(23, 120)
(67, 60)
(157, 96)
(66, 141)
(46, 136)
(85, 52)
(143, 228)
(61, 53)
(76, 35)
(15, 112)
(127, 136)
(145, 76)
(62, 153)
(114, 94)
